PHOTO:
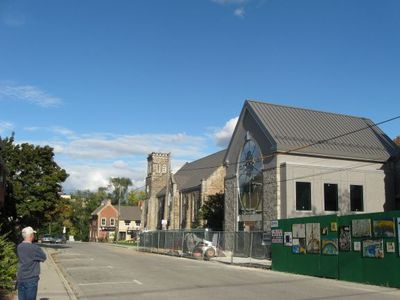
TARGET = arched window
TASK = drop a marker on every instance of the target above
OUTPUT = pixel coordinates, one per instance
(250, 184)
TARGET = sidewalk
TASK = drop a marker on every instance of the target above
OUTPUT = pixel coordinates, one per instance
(52, 284)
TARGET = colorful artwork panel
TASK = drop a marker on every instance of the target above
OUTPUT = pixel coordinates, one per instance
(299, 246)
(384, 228)
(373, 248)
(330, 246)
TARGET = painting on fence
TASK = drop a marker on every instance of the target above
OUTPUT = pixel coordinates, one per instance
(384, 228)
(361, 227)
(357, 246)
(313, 237)
(299, 230)
(299, 246)
(390, 247)
(288, 238)
(344, 238)
(330, 246)
(373, 248)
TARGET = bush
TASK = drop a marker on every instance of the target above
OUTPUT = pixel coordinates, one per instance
(8, 264)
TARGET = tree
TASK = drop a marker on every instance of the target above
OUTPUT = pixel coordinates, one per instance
(213, 212)
(33, 183)
(120, 187)
(134, 197)
(397, 140)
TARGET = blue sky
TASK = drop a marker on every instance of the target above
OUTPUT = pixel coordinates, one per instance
(107, 82)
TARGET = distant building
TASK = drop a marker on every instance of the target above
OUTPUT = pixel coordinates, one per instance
(129, 222)
(174, 200)
(285, 162)
(104, 222)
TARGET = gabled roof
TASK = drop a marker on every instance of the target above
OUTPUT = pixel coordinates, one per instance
(322, 133)
(191, 174)
(100, 208)
(132, 213)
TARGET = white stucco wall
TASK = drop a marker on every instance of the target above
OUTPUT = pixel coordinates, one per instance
(318, 171)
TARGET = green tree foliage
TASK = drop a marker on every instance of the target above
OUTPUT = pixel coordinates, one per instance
(212, 211)
(134, 197)
(120, 187)
(8, 264)
(82, 204)
(33, 183)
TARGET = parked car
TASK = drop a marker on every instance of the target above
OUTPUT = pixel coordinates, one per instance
(47, 238)
(60, 239)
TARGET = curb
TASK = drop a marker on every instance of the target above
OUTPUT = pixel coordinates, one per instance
(67, 287)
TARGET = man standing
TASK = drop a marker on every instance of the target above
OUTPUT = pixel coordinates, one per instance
(30, 256)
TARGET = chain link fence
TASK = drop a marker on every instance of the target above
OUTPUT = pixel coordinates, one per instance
(230, 247)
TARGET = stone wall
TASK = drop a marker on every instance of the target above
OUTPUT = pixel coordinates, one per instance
(230, 204)
(270, 197)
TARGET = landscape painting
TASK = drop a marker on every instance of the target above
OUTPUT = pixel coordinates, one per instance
(361, 228)
(384, 228)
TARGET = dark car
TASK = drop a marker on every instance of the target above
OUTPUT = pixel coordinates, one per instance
(60, 239)
(47, 238)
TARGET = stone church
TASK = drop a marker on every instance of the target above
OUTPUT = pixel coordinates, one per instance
(174, 200)
(287, 162)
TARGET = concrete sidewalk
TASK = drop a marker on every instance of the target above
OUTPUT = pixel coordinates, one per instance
(52, 284)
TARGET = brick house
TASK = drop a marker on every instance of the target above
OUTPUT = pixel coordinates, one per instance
(103, 222)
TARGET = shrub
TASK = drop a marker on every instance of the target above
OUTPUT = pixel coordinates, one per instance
(8, 264)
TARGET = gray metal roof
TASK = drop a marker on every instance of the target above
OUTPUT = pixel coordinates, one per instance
(131, 213)
(342, 135)
(191, 174)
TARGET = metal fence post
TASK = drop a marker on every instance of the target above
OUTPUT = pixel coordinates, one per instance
(251, 244)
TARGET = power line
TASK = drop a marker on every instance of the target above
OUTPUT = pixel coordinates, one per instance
(297, 148)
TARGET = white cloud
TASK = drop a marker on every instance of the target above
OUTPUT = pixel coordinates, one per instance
(223, 135)
(239, 12)
(93, 176)
(28, 93)
(91, 159)
(5, 126)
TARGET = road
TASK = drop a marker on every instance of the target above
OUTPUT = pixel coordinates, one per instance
(99, 271)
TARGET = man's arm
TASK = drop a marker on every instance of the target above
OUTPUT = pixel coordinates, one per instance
(39, 255)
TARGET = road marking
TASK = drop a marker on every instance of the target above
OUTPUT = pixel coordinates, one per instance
(138, 282)
(111, 282)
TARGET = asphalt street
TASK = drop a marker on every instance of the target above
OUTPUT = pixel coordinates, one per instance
(99, 271)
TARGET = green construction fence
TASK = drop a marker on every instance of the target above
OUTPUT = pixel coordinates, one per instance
(360, 248)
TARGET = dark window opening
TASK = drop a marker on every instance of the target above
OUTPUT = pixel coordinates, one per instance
(331, 196)
(303, 196)
(356, 198)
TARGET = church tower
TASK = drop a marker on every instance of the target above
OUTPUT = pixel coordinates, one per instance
(156, 180)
